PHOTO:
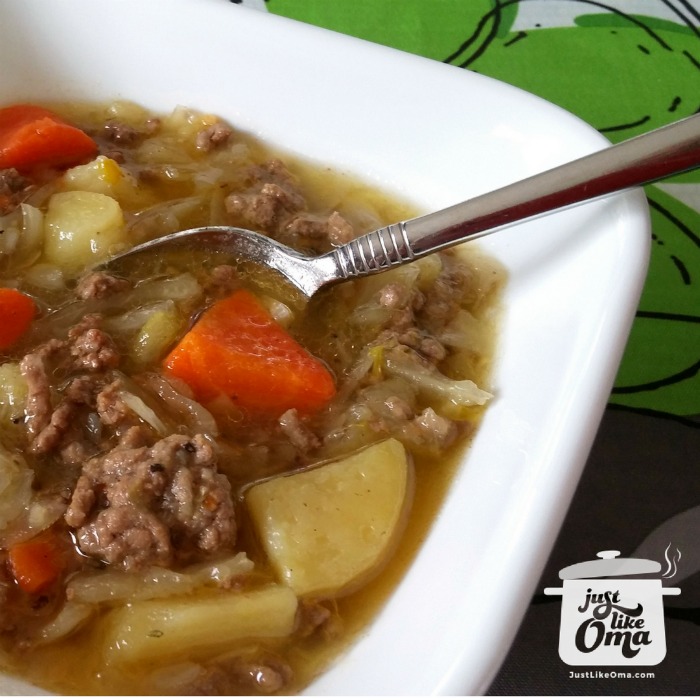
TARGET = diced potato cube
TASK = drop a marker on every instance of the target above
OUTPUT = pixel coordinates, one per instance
(168, 628)
(187, 123)
(82, 228)
(102, 175)
(329, 528)
(127, 112)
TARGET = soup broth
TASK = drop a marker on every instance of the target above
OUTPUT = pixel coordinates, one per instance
(209, 485)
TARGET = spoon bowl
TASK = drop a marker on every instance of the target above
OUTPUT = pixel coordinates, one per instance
(638, 161)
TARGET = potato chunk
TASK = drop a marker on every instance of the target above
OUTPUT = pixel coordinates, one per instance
(175, 627)
(102, 175)
(82, 228)
(328, 528)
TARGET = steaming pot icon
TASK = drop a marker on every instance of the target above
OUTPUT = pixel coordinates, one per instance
(609, 618)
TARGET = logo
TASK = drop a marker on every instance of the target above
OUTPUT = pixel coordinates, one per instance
(612, 612)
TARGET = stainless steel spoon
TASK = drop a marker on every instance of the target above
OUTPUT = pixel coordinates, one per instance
(671, 149)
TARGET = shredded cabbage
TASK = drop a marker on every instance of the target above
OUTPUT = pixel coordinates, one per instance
(278, 310)
(432, 383)
(23, 235)
(45, 276)
(71, 617)
(146, 413)
(134, 319)
(182, 287)
(197, 418)
(116, 587)
(13, 391)
(13, 395)
(465, 332)
(15, 486)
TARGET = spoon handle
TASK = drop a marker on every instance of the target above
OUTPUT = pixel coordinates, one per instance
(665, 151)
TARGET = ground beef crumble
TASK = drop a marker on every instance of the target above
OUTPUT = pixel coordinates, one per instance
(55, 413)
(138, 506)
(100, 285)
(13, 189)
(218, 134)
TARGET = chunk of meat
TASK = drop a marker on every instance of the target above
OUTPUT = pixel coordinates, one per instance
(430, 431)
(38, 407)
(333, 229)
(308, 226)
(52, 434)
(13, 189)
(213, 136)
(340, 231)
(404, 326)
(299, 434)
(110, 405)
(446, 295)
(420, 340)
(100, 285)
(121, 133)
(56, 415)
(11, 182)
(223, 279)
(255, 673)
(76, 452)
(262, 677)
(153, 505)
(402, 301)
(127, 536)
(78, 393)
(274, 170)
(272, 199)
(397, 408)
(91, 348)
(135, 436)
(318, 618)
(266, 208)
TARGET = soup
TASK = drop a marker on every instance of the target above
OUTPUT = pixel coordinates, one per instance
(209, 485)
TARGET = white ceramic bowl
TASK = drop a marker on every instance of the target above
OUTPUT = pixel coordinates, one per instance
(436, 135)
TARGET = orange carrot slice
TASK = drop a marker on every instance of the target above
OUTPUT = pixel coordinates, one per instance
(31, 136)
(236, 348)
(17, 311)
(37, 563)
